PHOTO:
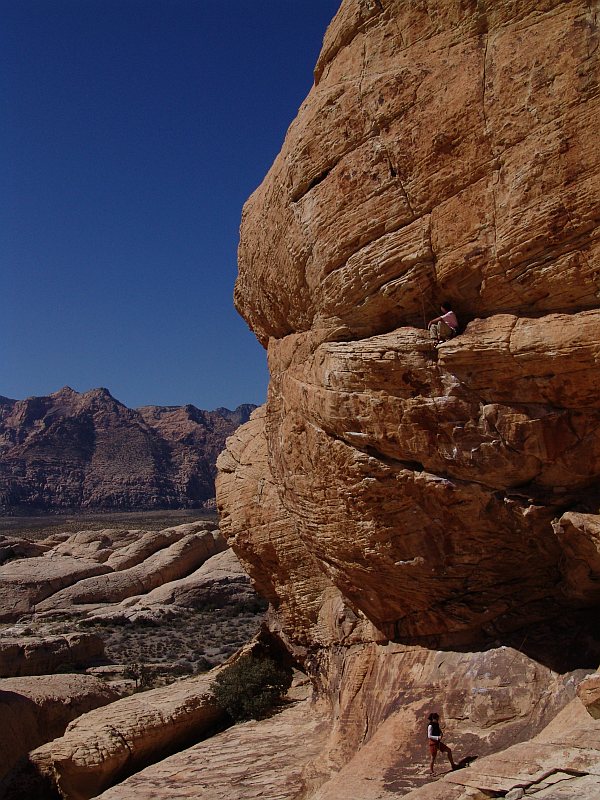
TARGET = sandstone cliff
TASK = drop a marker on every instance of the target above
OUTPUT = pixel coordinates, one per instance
(88, 451)
(389, 491)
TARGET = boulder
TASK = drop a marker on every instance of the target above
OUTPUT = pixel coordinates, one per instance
(38, 709)
(36, 655)
(28, 581)
(424, 483)
(589, 694)
(219, 582)
(255, 759)
(139, 548)
(169, 563)
(102, 746)
(12, 547)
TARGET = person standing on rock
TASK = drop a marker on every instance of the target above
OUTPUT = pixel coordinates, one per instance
(434, 737)
(445, 326)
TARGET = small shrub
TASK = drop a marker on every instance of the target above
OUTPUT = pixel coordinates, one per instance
(139, 673)
(202, 664)
(250, 687)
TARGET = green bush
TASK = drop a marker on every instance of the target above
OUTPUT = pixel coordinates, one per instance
(250, 687)
(139, 673)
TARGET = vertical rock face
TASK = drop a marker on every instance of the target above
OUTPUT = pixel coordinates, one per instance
(446, 151)
(388, 490)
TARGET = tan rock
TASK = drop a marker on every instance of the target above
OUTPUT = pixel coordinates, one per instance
(32, 655)
(12, 547)
(167, 564)
(263, 759)
(381, 697)
(579, 535)
(449, 152)
(141, 547)
(417, 113)
(37, 709)
(101, 745)
(28, 581)
(265, 539)
(98, 545)
(443, 497)
(588, 692)
(219, 582)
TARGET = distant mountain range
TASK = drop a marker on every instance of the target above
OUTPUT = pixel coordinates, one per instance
(87, 451)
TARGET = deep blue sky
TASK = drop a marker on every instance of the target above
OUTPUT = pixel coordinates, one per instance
(131, 133)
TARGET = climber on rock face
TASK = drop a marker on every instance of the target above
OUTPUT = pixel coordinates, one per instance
(434, 737)
(445, 326)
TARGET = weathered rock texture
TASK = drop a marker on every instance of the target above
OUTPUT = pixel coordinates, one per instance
(447, 150)
(34, 655)
(172, 562)
(252, 760)
(219, 582)
(36, 709)
(88, 451)
(104, 745)
(25, 582)
(389, 490)
(94, 568)
(561, 763)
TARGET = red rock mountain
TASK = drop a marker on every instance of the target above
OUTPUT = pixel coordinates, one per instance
(89, 451)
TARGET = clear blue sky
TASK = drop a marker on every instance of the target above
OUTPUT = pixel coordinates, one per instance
(131, 133)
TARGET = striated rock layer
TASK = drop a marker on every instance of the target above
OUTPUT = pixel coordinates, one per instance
(106, 744)
(43, 655)
(249, 761)
(391, 491)
(38, 709)
(445, 151)
(89, 569)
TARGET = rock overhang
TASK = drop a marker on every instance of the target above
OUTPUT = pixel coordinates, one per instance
(447, 155)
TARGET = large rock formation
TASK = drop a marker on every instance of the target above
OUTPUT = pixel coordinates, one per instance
(37, 709)
(88, 451)
(38, 655)
(106, 744)
(445, 151)
(92, 568)
(390, 490)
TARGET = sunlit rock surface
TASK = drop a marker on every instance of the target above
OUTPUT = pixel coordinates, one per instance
(445, 152)
(253, 759)
(43, 655)
(103, 745)
(37, 709)
(391, 491)
(89, 569)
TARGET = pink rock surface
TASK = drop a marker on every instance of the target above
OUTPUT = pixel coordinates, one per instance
(43, 655)
(37, 709)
